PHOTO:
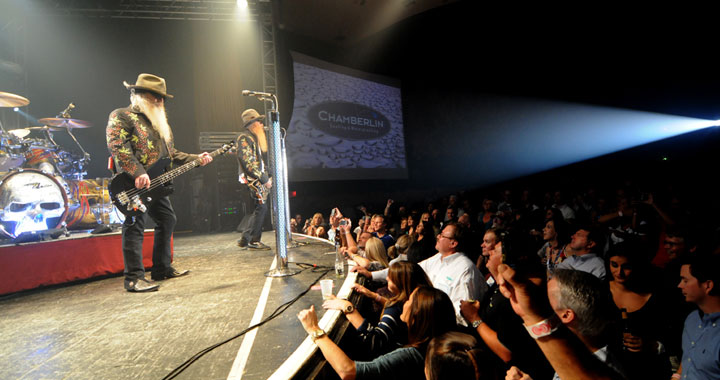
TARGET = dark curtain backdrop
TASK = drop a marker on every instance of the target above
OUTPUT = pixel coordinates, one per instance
(85, 61)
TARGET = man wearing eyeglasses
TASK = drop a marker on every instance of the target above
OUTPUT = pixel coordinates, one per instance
(453, 272)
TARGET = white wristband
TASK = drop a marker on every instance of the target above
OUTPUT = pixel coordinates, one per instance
(544, 327)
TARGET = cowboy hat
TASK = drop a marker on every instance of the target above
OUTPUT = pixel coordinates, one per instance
(250, 116)
(149, 82)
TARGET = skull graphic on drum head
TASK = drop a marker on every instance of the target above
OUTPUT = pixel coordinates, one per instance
(31, 201)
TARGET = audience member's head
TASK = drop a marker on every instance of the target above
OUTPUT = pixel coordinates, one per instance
(489, 240)
(450, 239)
(363, 238)
(700, 279)
(450, 213)
(403, 277)
(628, 264)
(488, 205)
(587, 239)
(675, 244)
(464, 220)
(378, 223)
(428, 313)
(582, 302)
(454, 355)
(317, 219)
(400, 247)
(556, 229)
(375, 251)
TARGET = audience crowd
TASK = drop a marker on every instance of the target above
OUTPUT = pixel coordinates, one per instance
(588, 284)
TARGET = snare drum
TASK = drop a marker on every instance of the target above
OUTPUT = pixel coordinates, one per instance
(31, 200)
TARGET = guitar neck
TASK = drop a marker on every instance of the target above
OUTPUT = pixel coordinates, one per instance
(172, 174)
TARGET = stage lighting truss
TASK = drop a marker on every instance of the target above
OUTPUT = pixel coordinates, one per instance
(201, 10)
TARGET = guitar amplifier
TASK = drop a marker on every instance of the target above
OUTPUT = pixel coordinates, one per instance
(213, 140)
(227, 205)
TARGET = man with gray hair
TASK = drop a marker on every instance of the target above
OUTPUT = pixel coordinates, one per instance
(139, 138)
(580, 302)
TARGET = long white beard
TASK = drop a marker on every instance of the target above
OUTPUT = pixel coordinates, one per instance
(156, 113)
(262, 140)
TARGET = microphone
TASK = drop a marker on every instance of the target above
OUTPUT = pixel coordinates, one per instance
(66, 112)
(256, 93)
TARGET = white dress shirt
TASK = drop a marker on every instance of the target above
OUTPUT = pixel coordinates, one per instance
(458, 277)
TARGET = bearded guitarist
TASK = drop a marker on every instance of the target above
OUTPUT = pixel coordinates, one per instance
(251, 145)
(138, 136)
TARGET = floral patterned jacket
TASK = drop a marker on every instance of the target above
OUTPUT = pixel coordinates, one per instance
(250, 158)
(135, 145)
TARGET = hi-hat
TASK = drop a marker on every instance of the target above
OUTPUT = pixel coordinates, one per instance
(11, 100)
(65, 123)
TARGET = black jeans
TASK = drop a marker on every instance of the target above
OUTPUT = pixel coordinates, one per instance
(162, 213)
(251, 225)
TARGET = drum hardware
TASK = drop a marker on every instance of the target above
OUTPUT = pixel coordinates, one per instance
(9, 156)
(64, 121)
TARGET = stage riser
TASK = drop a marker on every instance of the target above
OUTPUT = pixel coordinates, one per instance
(31, 265)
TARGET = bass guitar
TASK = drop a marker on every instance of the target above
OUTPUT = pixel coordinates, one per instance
(132, 201)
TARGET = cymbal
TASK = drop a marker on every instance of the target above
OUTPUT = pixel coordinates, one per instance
(11, 100)
(40, 128)
(19, 133)
(65, 123)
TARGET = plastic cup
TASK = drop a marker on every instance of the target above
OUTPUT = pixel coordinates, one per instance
(326, 288)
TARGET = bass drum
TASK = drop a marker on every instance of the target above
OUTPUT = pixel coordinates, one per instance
(31, 200)
(90, 204)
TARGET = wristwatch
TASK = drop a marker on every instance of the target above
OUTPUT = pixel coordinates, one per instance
(477, 323)
(319, 333)
(348, 309)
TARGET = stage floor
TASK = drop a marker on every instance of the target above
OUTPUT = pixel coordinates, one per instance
(97, 330)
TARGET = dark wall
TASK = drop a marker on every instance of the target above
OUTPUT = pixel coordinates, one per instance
(448, 58)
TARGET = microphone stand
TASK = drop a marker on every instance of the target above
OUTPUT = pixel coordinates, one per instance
(280, 207)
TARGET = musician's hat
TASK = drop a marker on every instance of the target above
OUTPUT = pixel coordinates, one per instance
(250, 116)
(149, 82)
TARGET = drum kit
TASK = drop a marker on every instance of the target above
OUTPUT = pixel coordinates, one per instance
(42, 185)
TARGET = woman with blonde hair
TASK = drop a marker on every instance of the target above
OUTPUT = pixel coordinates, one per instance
(376, 257)
(316, 226)
(400, 248)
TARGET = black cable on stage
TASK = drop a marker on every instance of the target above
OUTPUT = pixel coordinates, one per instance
(279, 310)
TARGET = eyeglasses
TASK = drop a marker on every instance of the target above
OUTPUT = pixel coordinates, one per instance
(672, 243)
(446, 237)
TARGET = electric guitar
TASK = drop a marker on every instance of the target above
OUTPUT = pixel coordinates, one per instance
(132, 201)
(258, 190)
